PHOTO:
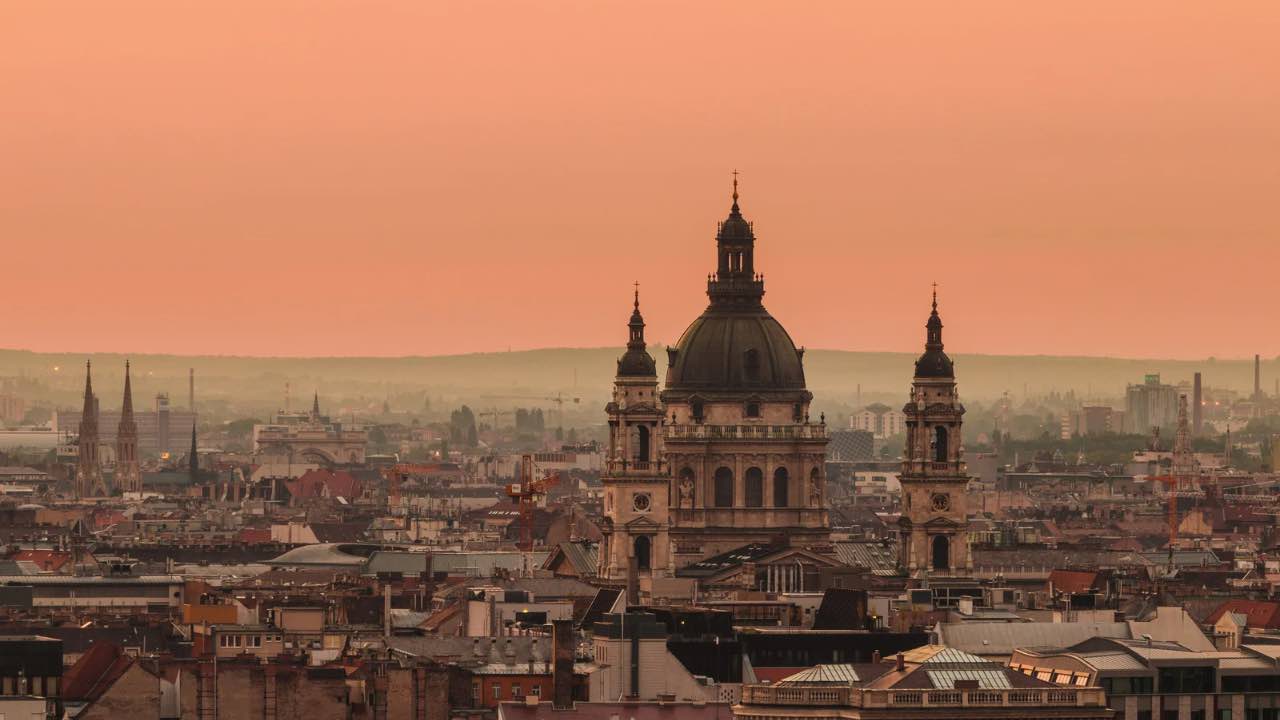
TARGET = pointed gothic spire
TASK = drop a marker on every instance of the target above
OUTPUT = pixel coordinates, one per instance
(315, 405)
(193, 461)
(126, 408)
(88, 390)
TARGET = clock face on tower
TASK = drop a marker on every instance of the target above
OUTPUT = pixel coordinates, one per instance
(640, 501)
(941, 502)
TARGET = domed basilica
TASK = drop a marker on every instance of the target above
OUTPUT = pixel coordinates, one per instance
(725, 455)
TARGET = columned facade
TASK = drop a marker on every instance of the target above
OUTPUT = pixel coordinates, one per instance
(934, 523)
(747, 462)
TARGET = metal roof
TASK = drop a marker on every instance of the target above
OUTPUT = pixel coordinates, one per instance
(91, 580)
(1004, 638)
(995, 679)
(842, 674)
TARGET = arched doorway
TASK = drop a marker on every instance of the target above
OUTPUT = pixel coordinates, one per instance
(939, 444)
(724, 487)
(781, 492)
(755, 487)
(643, 548)
(941, 552)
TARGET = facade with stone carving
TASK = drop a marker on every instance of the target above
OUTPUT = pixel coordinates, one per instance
(726, 452)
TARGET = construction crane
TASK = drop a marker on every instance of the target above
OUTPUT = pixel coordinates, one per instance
(559, 399)
(495, 414)
(529, 493)
(396, 474)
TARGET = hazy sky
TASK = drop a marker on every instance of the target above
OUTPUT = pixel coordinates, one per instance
(405, 177)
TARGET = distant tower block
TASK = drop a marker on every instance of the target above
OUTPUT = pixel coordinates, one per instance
(191, 390)
(1257, 377)
(1197, 408)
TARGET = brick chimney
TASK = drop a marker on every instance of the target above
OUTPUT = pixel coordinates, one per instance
(562, 669)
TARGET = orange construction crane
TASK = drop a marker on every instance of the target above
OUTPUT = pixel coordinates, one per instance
(527, 494)
(396, 474)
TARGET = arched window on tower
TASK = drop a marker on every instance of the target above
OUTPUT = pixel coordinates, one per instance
(644, 552)
(724, 487)
(941, 552)
(781, 491)
(939, 444)
(642, 444)
(755, 487)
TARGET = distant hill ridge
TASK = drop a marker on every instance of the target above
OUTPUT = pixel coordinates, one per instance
(588, 372)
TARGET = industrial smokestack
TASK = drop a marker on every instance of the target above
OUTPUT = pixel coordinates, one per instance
(1257, 377)
(1196, 411)
(562, 667)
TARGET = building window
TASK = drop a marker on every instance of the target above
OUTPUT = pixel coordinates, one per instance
(475, 692)
(780, 490)
(753, 409)
(516, 694)
(724, 487)
(536, 691)
(755, 487)
(497, 691)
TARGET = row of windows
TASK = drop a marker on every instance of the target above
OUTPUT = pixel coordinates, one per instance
(723, 486)
(253, 641)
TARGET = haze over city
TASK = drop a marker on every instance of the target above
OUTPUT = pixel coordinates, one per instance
(417, 178)
(591, 360)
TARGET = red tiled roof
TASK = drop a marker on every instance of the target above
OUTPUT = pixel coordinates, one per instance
(254, 536)
(1073, 581)
(51, 560)
(324, 483)
(93, 674)
(1258, 614)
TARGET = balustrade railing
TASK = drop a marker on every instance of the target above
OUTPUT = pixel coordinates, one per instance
(861, 697)
(806, 431)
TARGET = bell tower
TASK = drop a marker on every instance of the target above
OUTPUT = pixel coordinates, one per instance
(934, 524)
(636, 488)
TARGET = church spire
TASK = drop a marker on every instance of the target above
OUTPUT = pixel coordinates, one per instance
(934, 363)
(315, 405)
(89, 406)
(636, 362)
(126, 408)
(193, 460)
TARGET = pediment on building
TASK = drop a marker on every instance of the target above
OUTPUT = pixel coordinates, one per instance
(642, 524)
(941, 522)
(805, 557)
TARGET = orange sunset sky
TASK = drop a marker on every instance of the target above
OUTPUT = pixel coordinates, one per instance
(420, 177)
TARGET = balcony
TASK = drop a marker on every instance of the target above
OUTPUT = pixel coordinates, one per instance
(827, 696)
(635, 467)
(751, 517)
(806, 431)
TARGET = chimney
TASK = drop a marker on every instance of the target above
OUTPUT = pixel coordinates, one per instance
(562, 671)
(1197, 419)
(875, 658)
(476, 650)
(902, 662)
(386, 610)
(509, 653)
(533, 655)
(1257, 377)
